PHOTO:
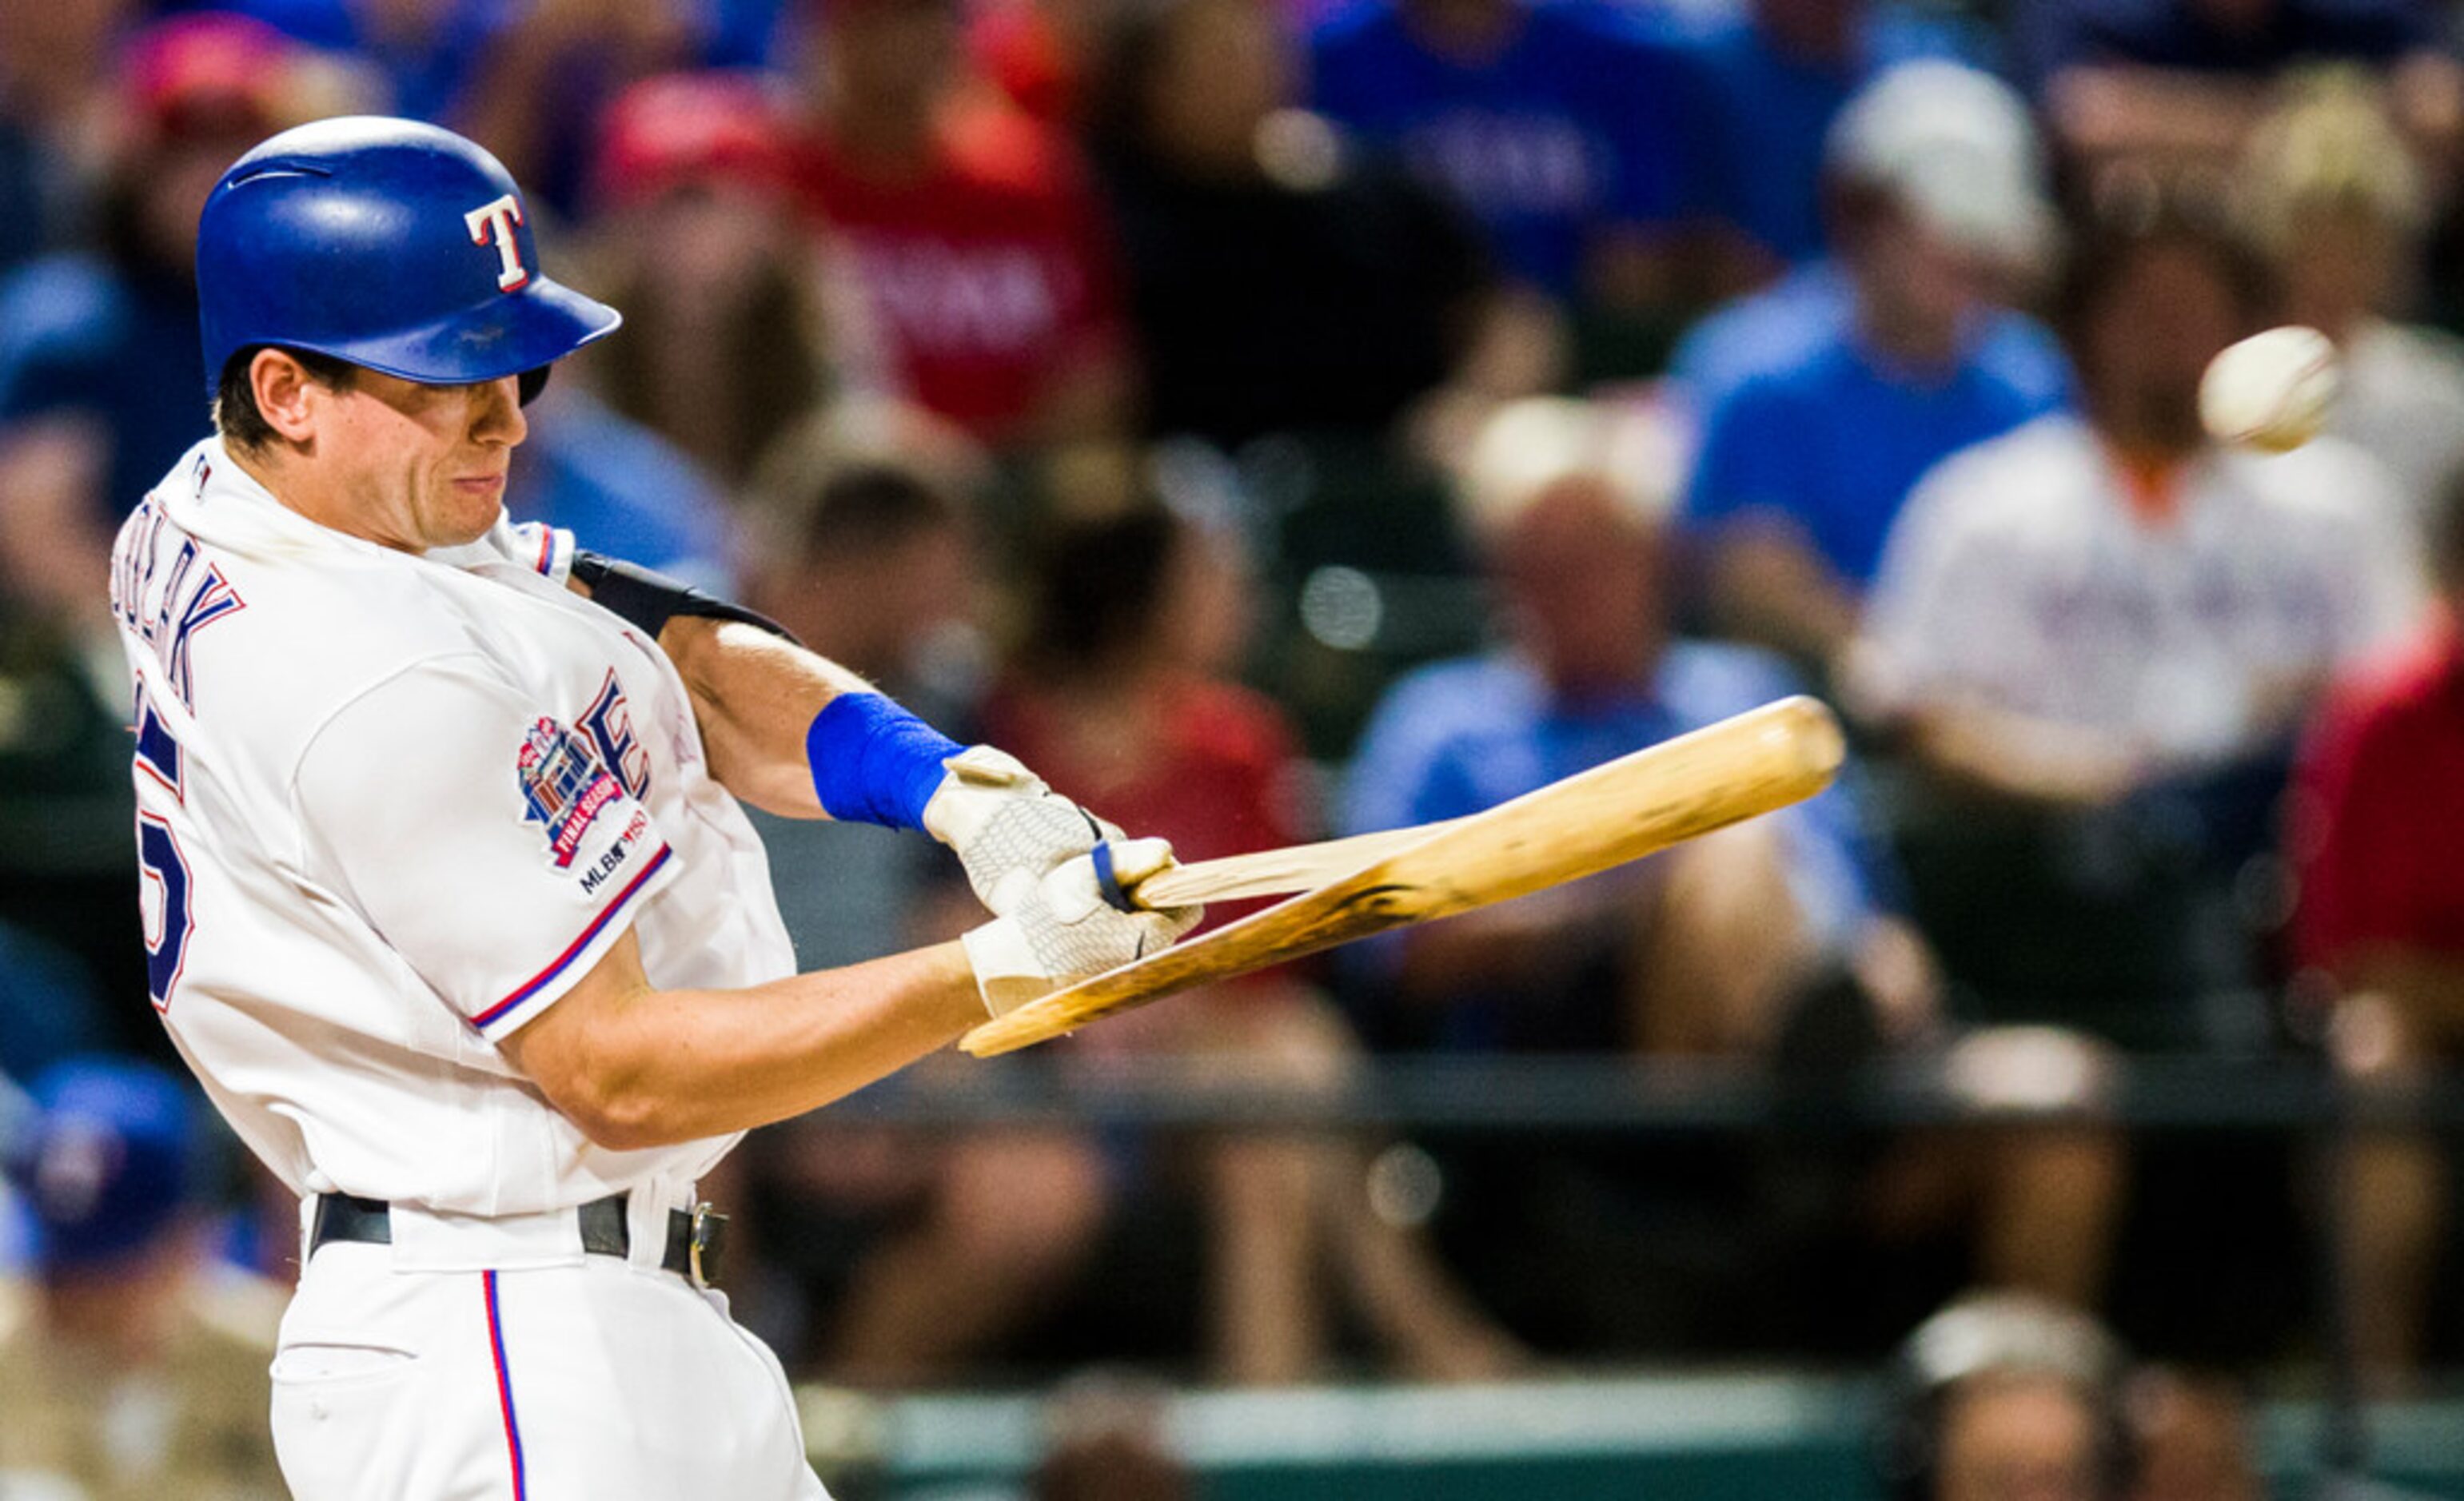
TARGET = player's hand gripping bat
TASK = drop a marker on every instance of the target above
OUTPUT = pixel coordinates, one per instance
(1751, 764)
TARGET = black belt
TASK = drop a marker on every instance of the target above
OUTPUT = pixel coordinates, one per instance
(691, 1250)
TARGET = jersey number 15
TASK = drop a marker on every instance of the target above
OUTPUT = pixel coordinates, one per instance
(163, 904)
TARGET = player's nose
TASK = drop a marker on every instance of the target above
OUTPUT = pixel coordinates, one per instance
(497, 412)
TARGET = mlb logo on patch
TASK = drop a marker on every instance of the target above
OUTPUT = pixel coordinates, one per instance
(564, 786)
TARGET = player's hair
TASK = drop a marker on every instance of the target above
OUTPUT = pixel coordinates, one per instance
(236, 416)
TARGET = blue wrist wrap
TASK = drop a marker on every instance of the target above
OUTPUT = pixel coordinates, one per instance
(873, 762)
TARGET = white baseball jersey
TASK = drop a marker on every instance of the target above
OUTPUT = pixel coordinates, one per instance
(390, 809)
(2019, 577)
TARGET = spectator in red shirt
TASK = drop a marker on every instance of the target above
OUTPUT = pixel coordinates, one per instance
(1124, 698)
(2377, 816)
(703, 235)
(974, 233)
(1040, 55)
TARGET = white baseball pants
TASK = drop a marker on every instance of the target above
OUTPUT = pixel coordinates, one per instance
(594, 1378)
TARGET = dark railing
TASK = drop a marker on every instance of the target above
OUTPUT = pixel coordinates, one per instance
(1559, 1094)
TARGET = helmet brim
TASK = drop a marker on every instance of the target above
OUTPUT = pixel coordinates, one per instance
(511, 335)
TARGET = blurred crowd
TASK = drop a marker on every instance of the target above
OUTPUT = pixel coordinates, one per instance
(1277, 418)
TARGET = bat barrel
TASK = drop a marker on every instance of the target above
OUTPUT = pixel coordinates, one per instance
(1744, 766)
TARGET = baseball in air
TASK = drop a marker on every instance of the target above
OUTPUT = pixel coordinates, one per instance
(2270, 391)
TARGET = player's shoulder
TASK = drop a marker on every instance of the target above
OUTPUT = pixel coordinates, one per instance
(262, 624)
(297, 648)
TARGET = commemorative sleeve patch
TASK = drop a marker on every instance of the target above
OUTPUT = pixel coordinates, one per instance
(564, 786)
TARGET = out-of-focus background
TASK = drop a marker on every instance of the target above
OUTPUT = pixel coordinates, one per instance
(1275, 418)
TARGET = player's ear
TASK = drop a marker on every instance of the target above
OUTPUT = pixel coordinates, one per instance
(282, 385)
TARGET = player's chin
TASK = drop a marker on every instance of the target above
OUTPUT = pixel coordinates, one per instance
(469, 510)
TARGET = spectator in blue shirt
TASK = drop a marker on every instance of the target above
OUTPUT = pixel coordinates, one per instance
(621, 489)
(1565, 500)
(1564, 127)
(2169, 80)
(1765, 941)
(1775, 73)
(1828, 400)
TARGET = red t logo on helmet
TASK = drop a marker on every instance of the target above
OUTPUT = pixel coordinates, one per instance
(495, 221)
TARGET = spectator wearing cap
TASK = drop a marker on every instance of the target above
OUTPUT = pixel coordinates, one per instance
(1566, 130)
(2379, 925)
(1728, 947)
(418, 56)
(133, 1370)
(2182, 81)
(745, 326)
(984, 254)
(1823, 401)
(1776, 73)
(2341, 209)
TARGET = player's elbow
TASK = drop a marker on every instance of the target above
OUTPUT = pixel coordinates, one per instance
(620, 1115)
(602, 1057)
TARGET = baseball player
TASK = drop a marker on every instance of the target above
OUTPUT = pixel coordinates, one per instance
(449, 900)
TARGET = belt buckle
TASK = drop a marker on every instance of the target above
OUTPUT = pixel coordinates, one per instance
(708, 1239)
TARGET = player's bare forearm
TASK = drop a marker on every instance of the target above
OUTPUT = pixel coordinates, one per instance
(753, 696)
(636, 1067)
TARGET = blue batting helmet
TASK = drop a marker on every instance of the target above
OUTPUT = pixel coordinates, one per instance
(389, 244)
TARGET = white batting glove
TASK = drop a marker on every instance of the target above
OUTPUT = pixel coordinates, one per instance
(1007, 827)
(1063, 930)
